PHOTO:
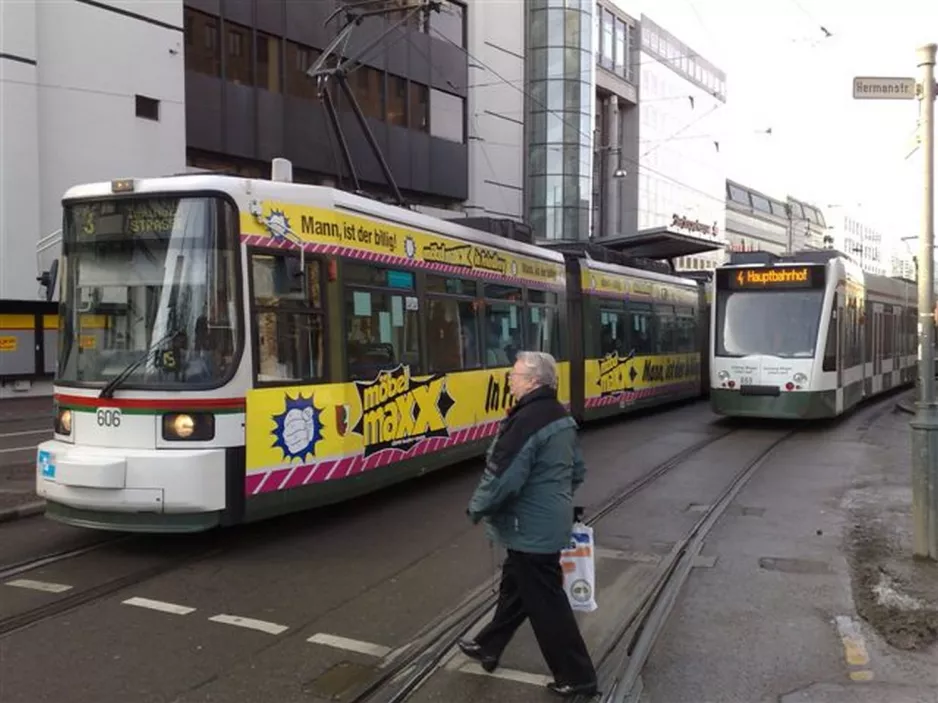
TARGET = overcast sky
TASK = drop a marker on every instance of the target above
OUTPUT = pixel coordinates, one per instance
(784, 72)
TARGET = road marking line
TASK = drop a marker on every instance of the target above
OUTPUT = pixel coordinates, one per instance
(17, 449)
(854, 645)
(467, 666)
(373, 650)
(159, 605)
(44, 586)
(865, 675)
(270, 628)
(27, 432)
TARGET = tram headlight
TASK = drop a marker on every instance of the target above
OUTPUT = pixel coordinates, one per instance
(799, 378)
(63, 422)
(188, 427)
(723, 375)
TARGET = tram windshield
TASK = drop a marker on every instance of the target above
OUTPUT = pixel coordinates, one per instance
(151, 278)
(778, 323)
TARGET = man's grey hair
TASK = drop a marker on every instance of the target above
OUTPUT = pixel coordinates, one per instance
(541, 366)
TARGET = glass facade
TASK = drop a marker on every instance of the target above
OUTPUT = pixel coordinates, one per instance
(560, 66)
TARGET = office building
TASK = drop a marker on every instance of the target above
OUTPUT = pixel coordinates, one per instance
(861, 240)
(92, 90)
(616, 136)
(682, 179)
(756, 221)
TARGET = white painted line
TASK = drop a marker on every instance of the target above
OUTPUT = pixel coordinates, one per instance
(31, 448)
(372, 650)
(159, 605)
(44, 586)
(270, 628)
(467, 666)
(25, 433)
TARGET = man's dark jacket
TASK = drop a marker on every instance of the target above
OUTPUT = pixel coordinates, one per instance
(533, 467)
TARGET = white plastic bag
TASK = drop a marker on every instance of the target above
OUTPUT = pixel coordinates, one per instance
(579, 570)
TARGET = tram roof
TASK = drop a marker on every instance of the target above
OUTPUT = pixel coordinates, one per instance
(311, 196)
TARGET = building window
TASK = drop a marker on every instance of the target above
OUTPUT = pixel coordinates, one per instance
(447, 116)
(367, 85)
(449, 23)
(419, 107)
(148, 108)
(397, 101)
(622, 59)
(202, 52)
(608, 58)
(269, 75)
(238, 44)
(299, 59)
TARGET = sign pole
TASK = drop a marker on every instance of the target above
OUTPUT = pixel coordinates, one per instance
(925, 422)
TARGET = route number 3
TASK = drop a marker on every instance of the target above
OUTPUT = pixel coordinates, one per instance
(109, 417)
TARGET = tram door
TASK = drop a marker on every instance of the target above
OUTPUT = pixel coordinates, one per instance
(877, 343)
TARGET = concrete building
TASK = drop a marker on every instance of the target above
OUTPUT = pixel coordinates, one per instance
(98, 89)
(682, 179)
(616, 134)
(88, 91)
(862, 240)
(755, 221)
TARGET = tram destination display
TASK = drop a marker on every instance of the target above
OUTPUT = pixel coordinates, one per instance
(771, 278)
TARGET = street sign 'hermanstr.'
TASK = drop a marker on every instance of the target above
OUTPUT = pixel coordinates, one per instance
(879, 88)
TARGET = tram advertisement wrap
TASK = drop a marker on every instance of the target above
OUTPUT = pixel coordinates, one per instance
(612, 377)
(321, 229)
(337, 430)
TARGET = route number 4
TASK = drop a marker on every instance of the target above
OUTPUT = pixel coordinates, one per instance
(109, 417)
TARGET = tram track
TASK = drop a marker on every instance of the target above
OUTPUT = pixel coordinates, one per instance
(406, 669)
(18, 621)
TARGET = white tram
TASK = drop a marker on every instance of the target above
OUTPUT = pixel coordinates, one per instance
(807, 336)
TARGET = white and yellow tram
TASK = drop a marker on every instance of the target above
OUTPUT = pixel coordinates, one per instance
(232, 349)
(806, 336)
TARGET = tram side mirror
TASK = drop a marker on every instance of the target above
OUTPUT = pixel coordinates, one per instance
(48, 279)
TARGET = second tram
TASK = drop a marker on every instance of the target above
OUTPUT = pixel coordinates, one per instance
(807, 336)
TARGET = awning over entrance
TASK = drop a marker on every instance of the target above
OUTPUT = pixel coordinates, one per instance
(661, 243)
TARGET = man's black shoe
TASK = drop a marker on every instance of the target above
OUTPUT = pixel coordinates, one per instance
(474, 651)
(567, 690)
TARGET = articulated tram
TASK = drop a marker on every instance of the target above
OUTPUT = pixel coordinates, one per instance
(809, 335)
(231, 349)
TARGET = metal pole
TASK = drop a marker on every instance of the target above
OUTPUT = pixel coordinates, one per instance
(925, 423)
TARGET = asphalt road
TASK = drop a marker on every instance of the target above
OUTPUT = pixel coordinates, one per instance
(233, 615)
(310, 606)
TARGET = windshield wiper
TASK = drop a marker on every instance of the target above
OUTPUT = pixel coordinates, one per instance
(111, 386)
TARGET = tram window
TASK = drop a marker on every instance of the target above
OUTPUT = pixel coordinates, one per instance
(542, 297)
(830, 345)
(452, 335)
(667, 328)
(542, 330)
(642, 328)
(279, 279)
(868, 328)
(451, 286)
(497, 291)
(362, 274)
(686, 331)
(382, 332)
(289, 325)
(502, 336)
(289, 347)
(613, 333)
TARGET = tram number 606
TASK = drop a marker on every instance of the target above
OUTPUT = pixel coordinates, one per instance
(109, 417)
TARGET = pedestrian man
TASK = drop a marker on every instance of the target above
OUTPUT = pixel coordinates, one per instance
(525, 497)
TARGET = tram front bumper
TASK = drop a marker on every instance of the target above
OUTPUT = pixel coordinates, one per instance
(126, 480)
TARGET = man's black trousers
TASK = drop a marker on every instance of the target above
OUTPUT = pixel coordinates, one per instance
(532, 587)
